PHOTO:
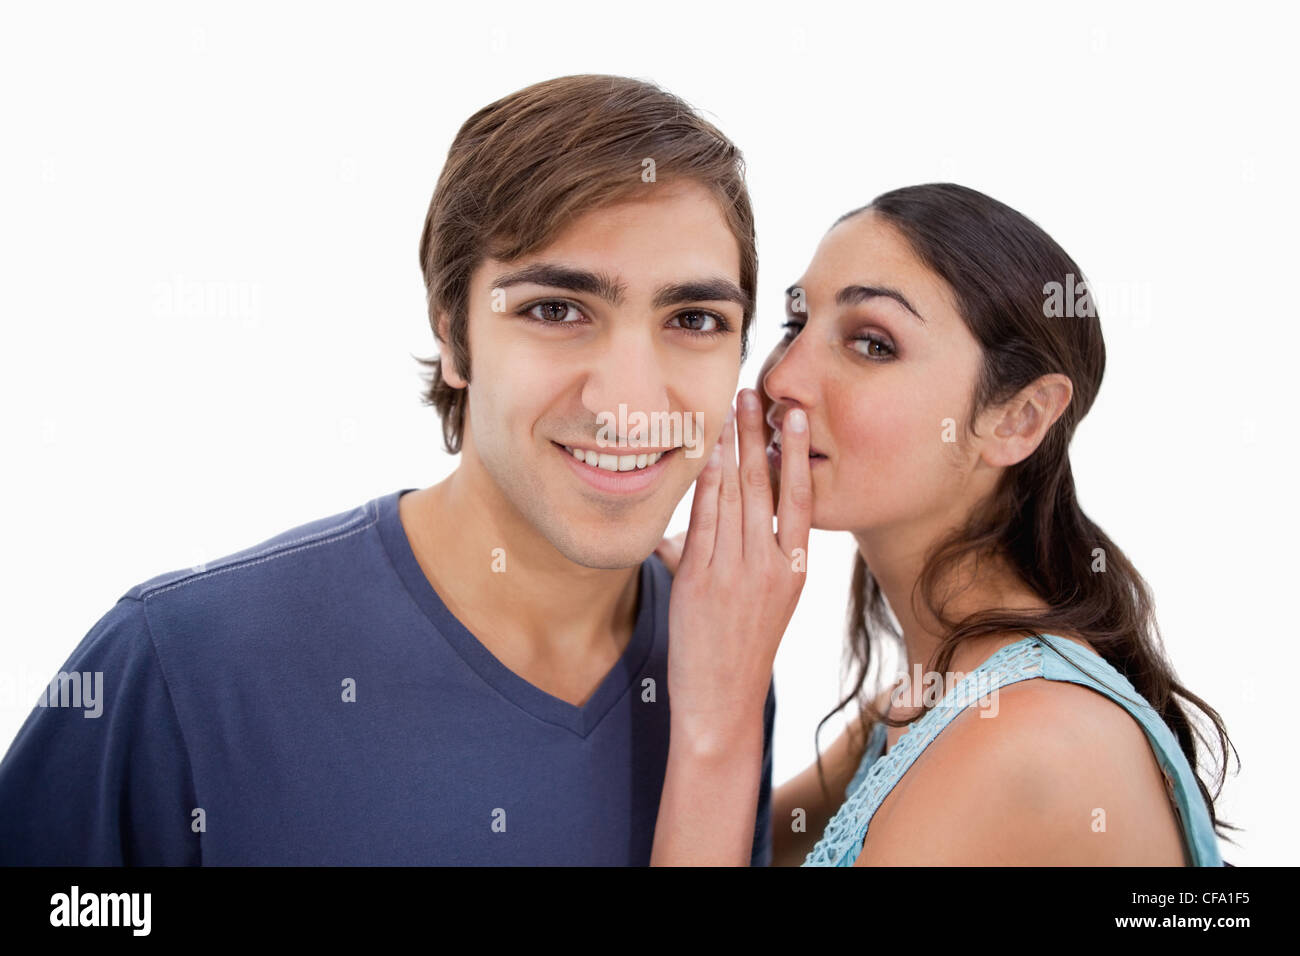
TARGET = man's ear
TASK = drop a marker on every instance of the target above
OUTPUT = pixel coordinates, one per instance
(1020, 424)
(449, 373)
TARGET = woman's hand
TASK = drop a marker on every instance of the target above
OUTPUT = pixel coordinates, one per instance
(737, 583)
(734, 591)
(670, 551)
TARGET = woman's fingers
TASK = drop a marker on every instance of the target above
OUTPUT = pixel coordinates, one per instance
(727, 544)
(670, 551)
(702, 531)
(755, 483)
(794, 512)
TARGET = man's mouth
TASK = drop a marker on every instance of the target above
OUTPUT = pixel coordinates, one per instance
(617, 473)
(607, 461)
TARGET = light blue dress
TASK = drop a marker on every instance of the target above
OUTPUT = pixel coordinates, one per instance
(1025, 659)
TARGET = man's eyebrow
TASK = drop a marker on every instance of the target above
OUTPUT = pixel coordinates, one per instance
(716, 289)
(702, 290)
(565, 277)
(855, 294)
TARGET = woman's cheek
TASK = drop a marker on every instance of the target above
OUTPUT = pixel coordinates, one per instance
(893, 454)
(765, 402)
(772, 358)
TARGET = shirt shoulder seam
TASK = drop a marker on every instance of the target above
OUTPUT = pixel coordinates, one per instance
(284, 548)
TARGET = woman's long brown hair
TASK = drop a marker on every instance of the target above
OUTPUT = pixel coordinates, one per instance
(1001, 267)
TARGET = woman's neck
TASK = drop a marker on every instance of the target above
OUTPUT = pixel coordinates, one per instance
(988, 584)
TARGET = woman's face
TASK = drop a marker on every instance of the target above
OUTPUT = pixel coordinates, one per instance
(885, 368)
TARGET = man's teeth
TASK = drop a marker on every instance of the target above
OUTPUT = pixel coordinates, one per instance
(615, 462)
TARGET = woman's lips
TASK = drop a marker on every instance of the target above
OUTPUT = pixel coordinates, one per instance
(776, 443)
(774, 456)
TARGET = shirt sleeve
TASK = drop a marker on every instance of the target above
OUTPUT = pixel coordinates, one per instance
(762, 852)
(98, 774)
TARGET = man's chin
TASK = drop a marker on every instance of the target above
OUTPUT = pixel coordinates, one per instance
(617, 549)
(606, 559)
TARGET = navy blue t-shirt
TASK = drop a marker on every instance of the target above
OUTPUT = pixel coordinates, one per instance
(311, 701)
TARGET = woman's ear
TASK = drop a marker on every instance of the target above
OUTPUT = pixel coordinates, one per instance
(1016, 427)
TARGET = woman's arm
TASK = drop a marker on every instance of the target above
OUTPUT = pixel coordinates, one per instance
(734, 592)
(710, 795)
(790, 847)
(720, 772)
(801, 802)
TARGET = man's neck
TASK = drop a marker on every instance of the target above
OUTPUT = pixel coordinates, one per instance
(556, 624)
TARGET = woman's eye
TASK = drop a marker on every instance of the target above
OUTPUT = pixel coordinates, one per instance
(871, 341)
(552, 312)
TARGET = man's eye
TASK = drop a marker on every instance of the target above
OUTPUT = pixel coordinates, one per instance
(553, 312)
(697, 322)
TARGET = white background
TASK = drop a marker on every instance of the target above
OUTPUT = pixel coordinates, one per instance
(280, 158)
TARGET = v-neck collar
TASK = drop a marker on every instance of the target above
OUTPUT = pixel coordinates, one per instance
(579, 720)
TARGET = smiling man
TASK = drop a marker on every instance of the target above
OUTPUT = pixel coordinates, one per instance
(472, 672)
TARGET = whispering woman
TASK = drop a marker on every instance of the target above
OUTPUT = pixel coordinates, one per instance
(923, 400)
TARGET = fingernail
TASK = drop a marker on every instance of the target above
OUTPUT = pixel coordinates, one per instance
(715, 456)
(731, 415)
(749, 399)
(798, 420)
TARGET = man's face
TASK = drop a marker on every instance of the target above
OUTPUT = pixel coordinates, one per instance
(639, 308)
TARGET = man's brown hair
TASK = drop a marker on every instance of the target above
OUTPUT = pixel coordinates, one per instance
(522, 168)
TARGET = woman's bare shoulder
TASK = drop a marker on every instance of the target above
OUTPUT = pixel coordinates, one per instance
(1045, 772)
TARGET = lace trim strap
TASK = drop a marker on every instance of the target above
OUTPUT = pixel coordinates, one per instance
(840, 844)
(877, 775)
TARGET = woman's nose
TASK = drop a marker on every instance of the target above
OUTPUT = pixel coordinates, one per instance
(787, 377)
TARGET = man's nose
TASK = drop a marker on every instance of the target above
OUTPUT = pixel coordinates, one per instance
(628, 372)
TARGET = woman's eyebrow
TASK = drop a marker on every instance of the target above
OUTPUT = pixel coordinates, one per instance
(855, 294)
